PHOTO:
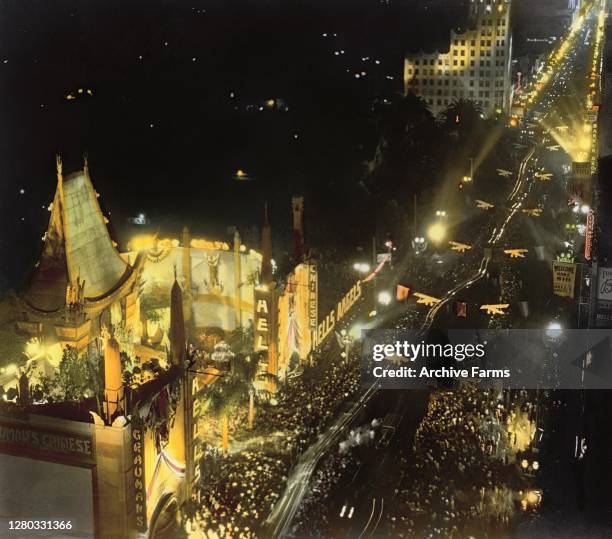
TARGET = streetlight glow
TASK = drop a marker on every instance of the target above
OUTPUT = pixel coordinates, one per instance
(436, 232)
(554, 330)
(361, 267)
(384, 298)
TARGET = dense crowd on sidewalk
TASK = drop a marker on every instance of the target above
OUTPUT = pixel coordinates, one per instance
(239, 491)
(236, 496)
(306, 406)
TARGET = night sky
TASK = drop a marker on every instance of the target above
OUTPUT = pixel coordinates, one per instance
(177, 87)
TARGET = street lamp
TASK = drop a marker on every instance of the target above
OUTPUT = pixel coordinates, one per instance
(436, 232)
(553, 336)
(361, 267)
(553, 329)
(419, 244)
(384, 297)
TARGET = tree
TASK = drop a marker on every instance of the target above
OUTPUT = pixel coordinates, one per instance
(76, 379)
(462, 115)
(231, 391)
(407, 120)
(241, 339)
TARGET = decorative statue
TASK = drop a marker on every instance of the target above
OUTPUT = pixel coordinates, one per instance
(213, 271)
(75, 294)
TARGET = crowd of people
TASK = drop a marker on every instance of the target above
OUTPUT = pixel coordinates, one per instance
(466, 479)
(239, 488)
(308, 404)
(237, 494)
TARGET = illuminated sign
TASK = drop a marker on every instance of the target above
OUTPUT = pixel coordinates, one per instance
(343, 307)
(564, 277)
(143, 242)
(588, 236)
(262, 319)
(48, 445)
(313, 308)
(140, 492)
(604, 284)
(209, 245)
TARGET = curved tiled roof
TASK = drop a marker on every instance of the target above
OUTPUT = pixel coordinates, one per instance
(77, 247)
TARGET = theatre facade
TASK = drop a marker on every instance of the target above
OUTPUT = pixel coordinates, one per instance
(120, 463)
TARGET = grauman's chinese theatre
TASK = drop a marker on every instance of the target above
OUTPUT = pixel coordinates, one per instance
(80, 280)
(120, 464)
(117, 470)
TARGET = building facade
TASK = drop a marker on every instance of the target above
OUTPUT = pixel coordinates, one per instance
(120, 461)
(80, 281)
(476, 66)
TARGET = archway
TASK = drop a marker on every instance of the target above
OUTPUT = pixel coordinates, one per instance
(164, 519)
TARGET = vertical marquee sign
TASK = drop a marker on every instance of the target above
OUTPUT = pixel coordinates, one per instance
(261, 331)
(313, 308)
(140, 491)
(588, 235)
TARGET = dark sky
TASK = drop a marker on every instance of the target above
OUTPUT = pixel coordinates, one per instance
(163, 134)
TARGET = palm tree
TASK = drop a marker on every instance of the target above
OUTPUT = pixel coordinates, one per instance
(229, 392)
(462, 114)
(241, 339)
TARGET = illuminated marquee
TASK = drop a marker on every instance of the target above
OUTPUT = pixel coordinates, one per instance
(588, 235)
(262, 318)
(335, 316)
(313, 310)
(209, 245)
(143, 242)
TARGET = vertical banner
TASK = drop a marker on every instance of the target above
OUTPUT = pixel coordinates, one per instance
(261, 331)
(313, 294)
(564, 278)
(140, 491)
(588, 235)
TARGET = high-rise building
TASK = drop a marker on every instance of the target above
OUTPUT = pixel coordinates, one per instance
(476, 66)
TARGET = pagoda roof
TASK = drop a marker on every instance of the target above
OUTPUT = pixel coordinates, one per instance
(78, 248)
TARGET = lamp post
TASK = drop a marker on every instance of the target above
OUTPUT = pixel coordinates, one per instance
(419, 244)
(251, 407)
(471, 168)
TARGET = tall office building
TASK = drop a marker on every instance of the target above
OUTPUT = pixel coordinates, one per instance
(476, 66)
